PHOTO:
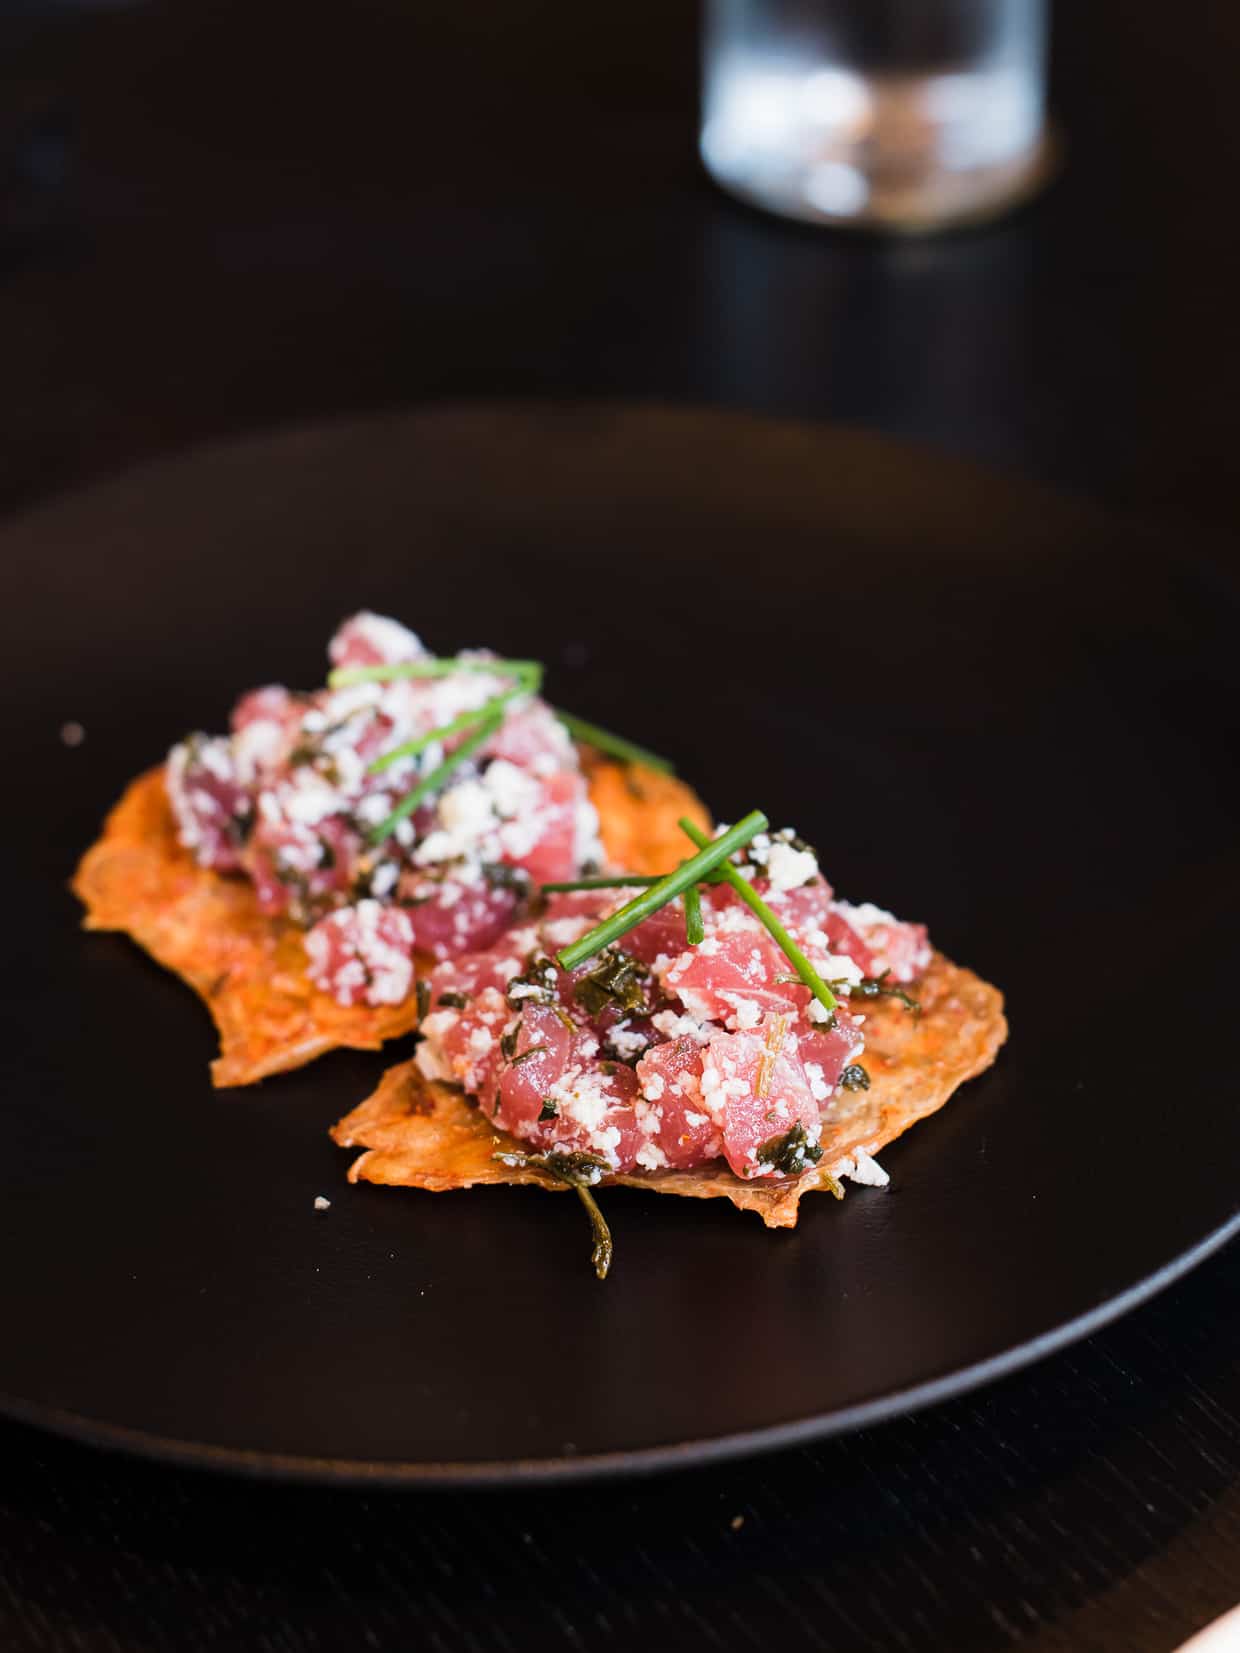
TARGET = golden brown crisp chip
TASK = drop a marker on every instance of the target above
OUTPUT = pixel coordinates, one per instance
(420, 1134)
(250, 968)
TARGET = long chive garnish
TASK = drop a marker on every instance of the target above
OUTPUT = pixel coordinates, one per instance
(345, 677)
(695, 930)
(619, 881)
(616, 745)
(432, 782)
(467, 720)
(714, 853)
(826, 998)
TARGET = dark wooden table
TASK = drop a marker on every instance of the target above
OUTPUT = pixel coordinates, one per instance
(220, 214)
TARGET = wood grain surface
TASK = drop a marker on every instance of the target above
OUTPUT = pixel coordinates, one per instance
(219, 214)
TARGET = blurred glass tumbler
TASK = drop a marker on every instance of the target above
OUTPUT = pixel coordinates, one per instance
(904, 114)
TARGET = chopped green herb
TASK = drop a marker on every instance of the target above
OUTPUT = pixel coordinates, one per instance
(327, 855)
(423, 990)
(453, 1001)
(536, 986)
(548, 1110)
(755, 903)
(619, 980)
(875, 987)
(534, 1050)
(714, 854)
(790, 1154)
(580, 1171)
(500, 876)
(855, 1078)
(432, 782)
(508, 1043)
(695, 930)
(616, 745)
(241, 825)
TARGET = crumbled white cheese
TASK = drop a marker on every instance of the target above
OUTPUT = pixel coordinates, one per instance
(309, 799)
(746, 1013)
(390, 640)
(321, 1203)
(865, 914)
(430, 1059)
(859, 1167)
(837, 967)
(562, 932)
(256, 747)
(672, 1026)
(511, 790)
(466, 811)
(789, 868)
(625, 1042)
(384, 879)
(587, 844)
(72, 733)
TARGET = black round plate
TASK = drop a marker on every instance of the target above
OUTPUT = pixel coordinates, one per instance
(990, 708)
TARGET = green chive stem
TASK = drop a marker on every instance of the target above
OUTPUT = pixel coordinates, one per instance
(695, 930)
(344, 677)
(826, 998)
(467, 720)
(615, 745)
(432, 782)
(621, 881)
(714, 853)
(602, 1251)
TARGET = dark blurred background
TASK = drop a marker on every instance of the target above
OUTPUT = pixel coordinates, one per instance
(217, 214)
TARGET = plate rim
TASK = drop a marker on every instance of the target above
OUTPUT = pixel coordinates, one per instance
(258, 1465)
(301, 1469)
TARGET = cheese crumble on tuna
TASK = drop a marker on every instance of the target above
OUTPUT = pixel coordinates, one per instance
(655, 1054)
(289, 799)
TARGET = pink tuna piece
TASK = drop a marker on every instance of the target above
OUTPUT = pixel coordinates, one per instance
(553, 856)
(302, 868)
(757, 1090)
(373, 640)
(211, 806)
(670, 1076)
(272, 704)
(805, 908)
(662, 935)
(556, 1094)
(530, 734)
(470, 975)
(363, 954)
(469, 1039)
(887, 944)
(450, 918)
(734, 977)
(545, 1048)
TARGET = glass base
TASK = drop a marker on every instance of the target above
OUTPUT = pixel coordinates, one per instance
(896, 188)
